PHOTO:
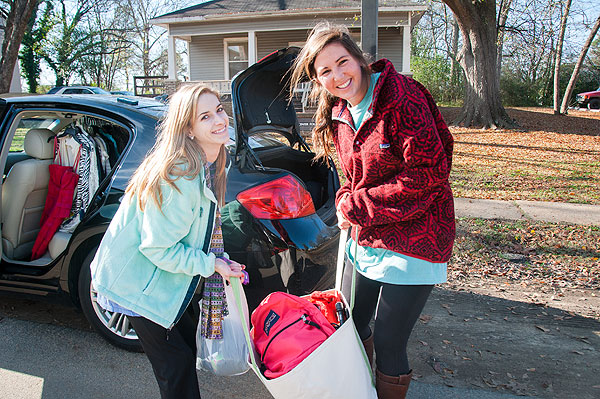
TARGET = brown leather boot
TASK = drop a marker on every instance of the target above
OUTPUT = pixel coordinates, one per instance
(368, 345)
(390, 387)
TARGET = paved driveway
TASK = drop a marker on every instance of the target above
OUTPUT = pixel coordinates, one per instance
(44, 361)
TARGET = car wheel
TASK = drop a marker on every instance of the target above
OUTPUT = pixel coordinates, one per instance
(112, 326)
(594, 103)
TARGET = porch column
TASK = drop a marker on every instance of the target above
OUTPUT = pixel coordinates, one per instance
(406, 49)
(251, 47)
(171, 58)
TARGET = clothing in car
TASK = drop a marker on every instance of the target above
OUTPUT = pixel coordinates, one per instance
(73, 143)
(397, 164)
(150, 261)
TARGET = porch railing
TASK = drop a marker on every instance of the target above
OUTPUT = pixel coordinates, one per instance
(154, 85)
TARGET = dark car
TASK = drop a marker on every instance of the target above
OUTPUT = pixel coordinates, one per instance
(279, 217)
(589, 99)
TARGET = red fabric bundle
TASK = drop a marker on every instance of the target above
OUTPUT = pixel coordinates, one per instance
(326, 301)
(59, 201)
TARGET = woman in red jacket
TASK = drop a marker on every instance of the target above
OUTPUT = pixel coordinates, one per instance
(396, 152)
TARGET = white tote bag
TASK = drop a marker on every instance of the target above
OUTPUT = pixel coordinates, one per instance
(338, 368)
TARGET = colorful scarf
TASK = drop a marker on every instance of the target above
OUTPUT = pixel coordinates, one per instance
(214, 303)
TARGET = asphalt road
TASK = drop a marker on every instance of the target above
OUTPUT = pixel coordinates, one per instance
(39, 360)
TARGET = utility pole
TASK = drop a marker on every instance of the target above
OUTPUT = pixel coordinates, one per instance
(369, 27)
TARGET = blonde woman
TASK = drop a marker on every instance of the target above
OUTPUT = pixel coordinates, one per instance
(167, 234)
(396, 151)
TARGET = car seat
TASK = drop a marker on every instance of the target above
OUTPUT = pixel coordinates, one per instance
(24, 195)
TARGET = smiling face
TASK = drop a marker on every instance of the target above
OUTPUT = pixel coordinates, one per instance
(209, 128)
(340, 73)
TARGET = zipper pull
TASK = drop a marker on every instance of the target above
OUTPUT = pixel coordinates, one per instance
(309, 322)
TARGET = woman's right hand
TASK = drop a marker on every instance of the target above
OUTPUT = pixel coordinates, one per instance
(343, 224)
(229, 268)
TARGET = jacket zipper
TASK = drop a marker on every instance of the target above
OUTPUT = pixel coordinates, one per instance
(304, 318)
(196, 279)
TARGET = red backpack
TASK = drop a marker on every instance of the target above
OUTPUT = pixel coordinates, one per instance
(285, 330)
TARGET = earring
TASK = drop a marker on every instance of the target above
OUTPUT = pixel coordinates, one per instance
(191, 137)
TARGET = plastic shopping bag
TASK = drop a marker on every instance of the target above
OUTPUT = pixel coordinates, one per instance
(227, 356)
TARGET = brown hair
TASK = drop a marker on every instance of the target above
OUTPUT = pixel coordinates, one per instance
(174, 155)
(322, 35)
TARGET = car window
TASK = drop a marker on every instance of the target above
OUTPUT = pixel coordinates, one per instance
(72, 91)
(30, 123)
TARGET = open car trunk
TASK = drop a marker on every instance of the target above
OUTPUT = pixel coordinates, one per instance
(268, 134)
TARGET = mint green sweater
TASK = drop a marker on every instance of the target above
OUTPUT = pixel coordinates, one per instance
(150, 261)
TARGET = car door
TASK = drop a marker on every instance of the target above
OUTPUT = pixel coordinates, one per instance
(3, 125)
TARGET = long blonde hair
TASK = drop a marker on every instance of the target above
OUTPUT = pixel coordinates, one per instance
(175, 155)
(322, 35)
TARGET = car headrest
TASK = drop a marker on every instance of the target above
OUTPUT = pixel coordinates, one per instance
(37, 143)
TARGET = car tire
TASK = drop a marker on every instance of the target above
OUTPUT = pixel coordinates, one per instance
(112, 326)
(594, 103)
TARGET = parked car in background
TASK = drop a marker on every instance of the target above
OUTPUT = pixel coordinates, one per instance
(279, 218)
(590, 99)
(122, 93)
(77, 90)
(162, 98)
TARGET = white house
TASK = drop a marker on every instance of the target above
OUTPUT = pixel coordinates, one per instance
(226, 36)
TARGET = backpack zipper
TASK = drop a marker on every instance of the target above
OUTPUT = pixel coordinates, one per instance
(303, 318)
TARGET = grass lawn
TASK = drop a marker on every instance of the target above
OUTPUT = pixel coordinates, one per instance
(552, 158)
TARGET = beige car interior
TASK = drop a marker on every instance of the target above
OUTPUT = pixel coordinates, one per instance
(25, 188)
(24, 194)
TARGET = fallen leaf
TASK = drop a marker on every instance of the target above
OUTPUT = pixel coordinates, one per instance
(544, 329)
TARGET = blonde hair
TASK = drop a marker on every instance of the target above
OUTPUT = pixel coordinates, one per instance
(175, 155)
(322, 35)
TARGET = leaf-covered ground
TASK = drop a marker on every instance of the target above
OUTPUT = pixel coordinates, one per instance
(527, 254)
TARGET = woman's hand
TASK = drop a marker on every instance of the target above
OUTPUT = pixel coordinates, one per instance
(229, 268)
(343, 224)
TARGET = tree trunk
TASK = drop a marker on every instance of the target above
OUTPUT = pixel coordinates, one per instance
(454, 77)
(582, 54)
(501, 27)
(15, 26)
(559, 45)
(478, 57)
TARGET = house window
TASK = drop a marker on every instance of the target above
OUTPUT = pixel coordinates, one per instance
(236, 56)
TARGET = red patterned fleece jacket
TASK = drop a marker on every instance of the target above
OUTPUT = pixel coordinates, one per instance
(397, 166)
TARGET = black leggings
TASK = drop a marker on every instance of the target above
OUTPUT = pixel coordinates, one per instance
(398, 309)
(172, 355)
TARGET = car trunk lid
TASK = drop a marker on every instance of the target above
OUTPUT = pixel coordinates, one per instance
(260, 96)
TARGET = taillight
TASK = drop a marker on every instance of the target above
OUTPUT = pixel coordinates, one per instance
(283, 198)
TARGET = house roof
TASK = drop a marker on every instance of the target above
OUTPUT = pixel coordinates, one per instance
(232, 8)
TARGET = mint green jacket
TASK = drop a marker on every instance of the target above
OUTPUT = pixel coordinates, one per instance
(150, 261)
